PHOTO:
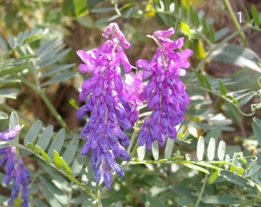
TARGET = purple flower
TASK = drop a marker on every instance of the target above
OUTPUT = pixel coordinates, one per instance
(111, 102)
(14, 168)
(165, 92)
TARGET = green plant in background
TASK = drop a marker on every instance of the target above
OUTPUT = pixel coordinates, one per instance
(188, 171)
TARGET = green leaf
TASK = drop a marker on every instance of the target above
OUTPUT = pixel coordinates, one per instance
(3, 44)
(70, 151)
(248, 203)
(196, 167)
(49, 196)
(67, 168)
(184, 27)
(89, 202)
(132, 12)
(221, 33)
(56, 69)
(19, 38)
(213, 177)
(227, 159)
(119, 204)
(58, 194)
(176, 7)
(205, 26)
(253, 169)
(57, 143)
(58, 162)
(78, 164)
(218, 199)
(11, 41)
(73, 103)
(222, 88)
(206, 82)
(236, 55)
(33, 132)
(185, 192)
(45, 137)
(184, 10)
(169, 147)
(255, 15)
(77, 8)
(141, 151)
(200, 79)
(221, 150)
(200, 148)
(211, 149)
(34, 35)
(103, 10)
(154, 202)
(38, 202)
(108, 19)
(14, 121)
(60, 78)
(256, 125)
(246, 13)
(9, 92)
(16, 69)
(236, 179)
(247, 97)
(211, 34)
(155, 150)
(3, 115)
(45, 156)
(44, 62)
(57, 176)
(32, 147)
(192, 15)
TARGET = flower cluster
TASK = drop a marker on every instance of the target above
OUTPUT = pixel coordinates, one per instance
(14, 168)
(111, 102)
(114, 103)
(165, 92)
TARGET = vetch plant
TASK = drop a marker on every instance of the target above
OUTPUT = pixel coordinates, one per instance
(168, 99)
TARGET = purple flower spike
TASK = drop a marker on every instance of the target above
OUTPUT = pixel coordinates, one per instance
(15, 169)
(112, 102)
(165, 93)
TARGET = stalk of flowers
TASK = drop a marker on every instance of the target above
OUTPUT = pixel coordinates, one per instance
(111, 102)
(165, 92)
(14, 168)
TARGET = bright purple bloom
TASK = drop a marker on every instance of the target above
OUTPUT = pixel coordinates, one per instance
(110, 101)
(165, 92)
(14, 168)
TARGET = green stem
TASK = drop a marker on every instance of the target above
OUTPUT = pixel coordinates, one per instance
(97, 196)
(46, 101)
(235, 22)
(202, 191)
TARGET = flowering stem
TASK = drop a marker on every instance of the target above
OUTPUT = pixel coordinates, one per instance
(46, 101)
(235, 22)
(202, 190)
